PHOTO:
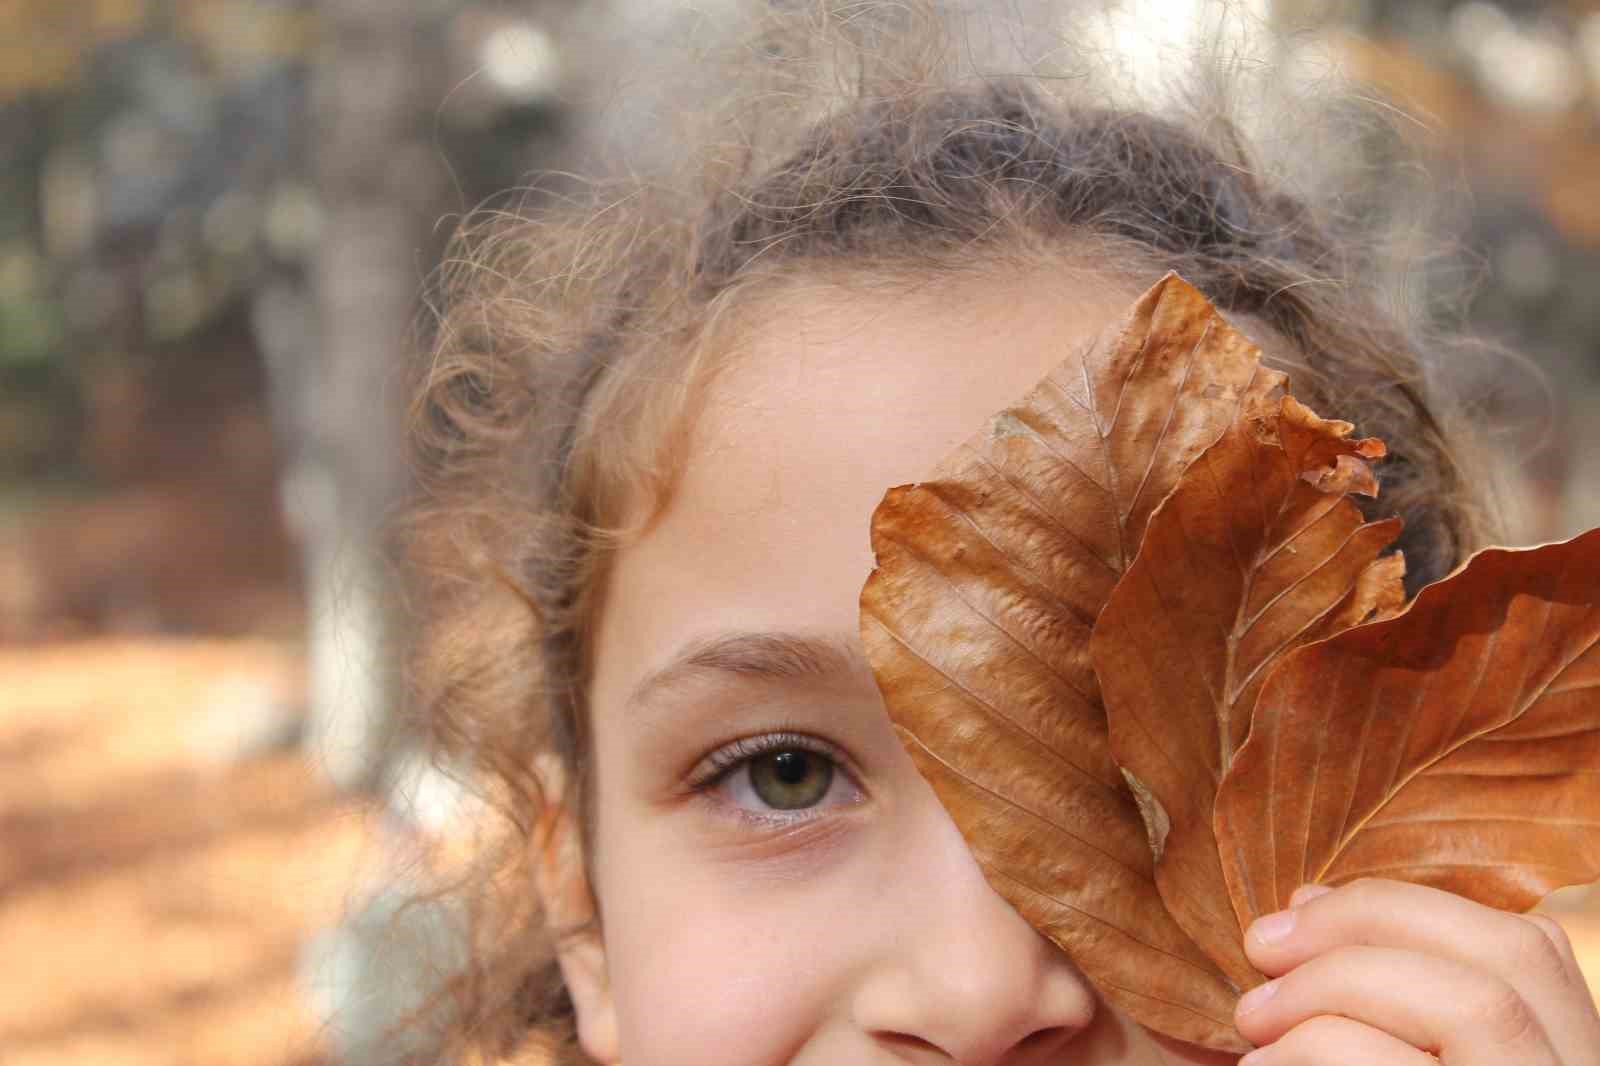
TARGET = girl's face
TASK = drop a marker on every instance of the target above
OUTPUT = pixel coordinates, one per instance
(776, 883)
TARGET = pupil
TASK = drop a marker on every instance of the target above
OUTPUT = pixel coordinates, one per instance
(791, 780)
(791, 766)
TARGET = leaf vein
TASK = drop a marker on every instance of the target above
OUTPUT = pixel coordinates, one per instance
(1014, 805)
(993, 711)
(1474, 819)
(1033, 501)
(1250, 623)
(955, 591)
(1061, 456)
(1166, 426)
(996, 869)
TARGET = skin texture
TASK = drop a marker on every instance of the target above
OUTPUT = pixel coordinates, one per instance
(860, 930)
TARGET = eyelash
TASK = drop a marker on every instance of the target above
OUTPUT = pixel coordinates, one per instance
(729, 759)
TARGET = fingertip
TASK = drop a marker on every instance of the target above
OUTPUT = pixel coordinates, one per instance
(1271, 929)
(1252, 1022)
(1255, 998)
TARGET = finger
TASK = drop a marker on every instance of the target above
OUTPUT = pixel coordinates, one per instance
(1530, 953)
(1465, 1016)
(1329, 1040)
(1559, 941)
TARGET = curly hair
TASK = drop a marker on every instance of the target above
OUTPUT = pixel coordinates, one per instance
(572, 340)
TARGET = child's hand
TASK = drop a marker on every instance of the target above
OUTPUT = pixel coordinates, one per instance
(1381, 973)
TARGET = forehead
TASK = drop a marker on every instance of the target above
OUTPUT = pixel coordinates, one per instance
(831, 396)
(874, 388)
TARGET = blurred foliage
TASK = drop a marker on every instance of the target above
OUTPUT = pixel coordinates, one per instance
(153, 174)
(56, 42)
(161, 225)
(156, 175)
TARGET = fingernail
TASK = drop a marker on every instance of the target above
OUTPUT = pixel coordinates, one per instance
(1273, 927)
(1256, 996)
(1307, 893)
(1258, 1057)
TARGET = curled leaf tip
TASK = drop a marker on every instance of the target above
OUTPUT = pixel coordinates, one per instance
(1156, 823)
(1347, 474)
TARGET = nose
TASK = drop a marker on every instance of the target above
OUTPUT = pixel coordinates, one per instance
(961, 976)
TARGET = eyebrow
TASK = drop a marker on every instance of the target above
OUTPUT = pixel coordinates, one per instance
(761, 655)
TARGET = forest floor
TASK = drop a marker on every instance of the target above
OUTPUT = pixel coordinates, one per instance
(166, 851)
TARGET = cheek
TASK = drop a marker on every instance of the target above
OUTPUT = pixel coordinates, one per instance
(713, 962)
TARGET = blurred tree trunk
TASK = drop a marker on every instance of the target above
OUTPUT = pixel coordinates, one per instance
(379, 188)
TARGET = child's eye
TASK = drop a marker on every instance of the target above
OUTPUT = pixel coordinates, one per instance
(777, 773)
(790, 779)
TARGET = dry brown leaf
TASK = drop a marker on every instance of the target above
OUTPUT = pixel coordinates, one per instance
(1257, 551)
(1259, 740)
(1455, 745)
(977, 622)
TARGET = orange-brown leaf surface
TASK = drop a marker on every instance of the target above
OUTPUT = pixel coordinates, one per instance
(1258, 550)
(977, 621)
(1145, 648)
(1455, 745)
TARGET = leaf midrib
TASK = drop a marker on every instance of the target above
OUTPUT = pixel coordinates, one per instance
(1530, 698)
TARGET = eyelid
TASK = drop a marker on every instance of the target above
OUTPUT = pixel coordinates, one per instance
(722, 762)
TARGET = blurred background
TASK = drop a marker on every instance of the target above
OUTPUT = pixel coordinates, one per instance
(216, 218)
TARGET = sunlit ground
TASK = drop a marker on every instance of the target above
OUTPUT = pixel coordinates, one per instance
(166, 852)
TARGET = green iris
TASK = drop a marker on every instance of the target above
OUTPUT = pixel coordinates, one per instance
(791, 779)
